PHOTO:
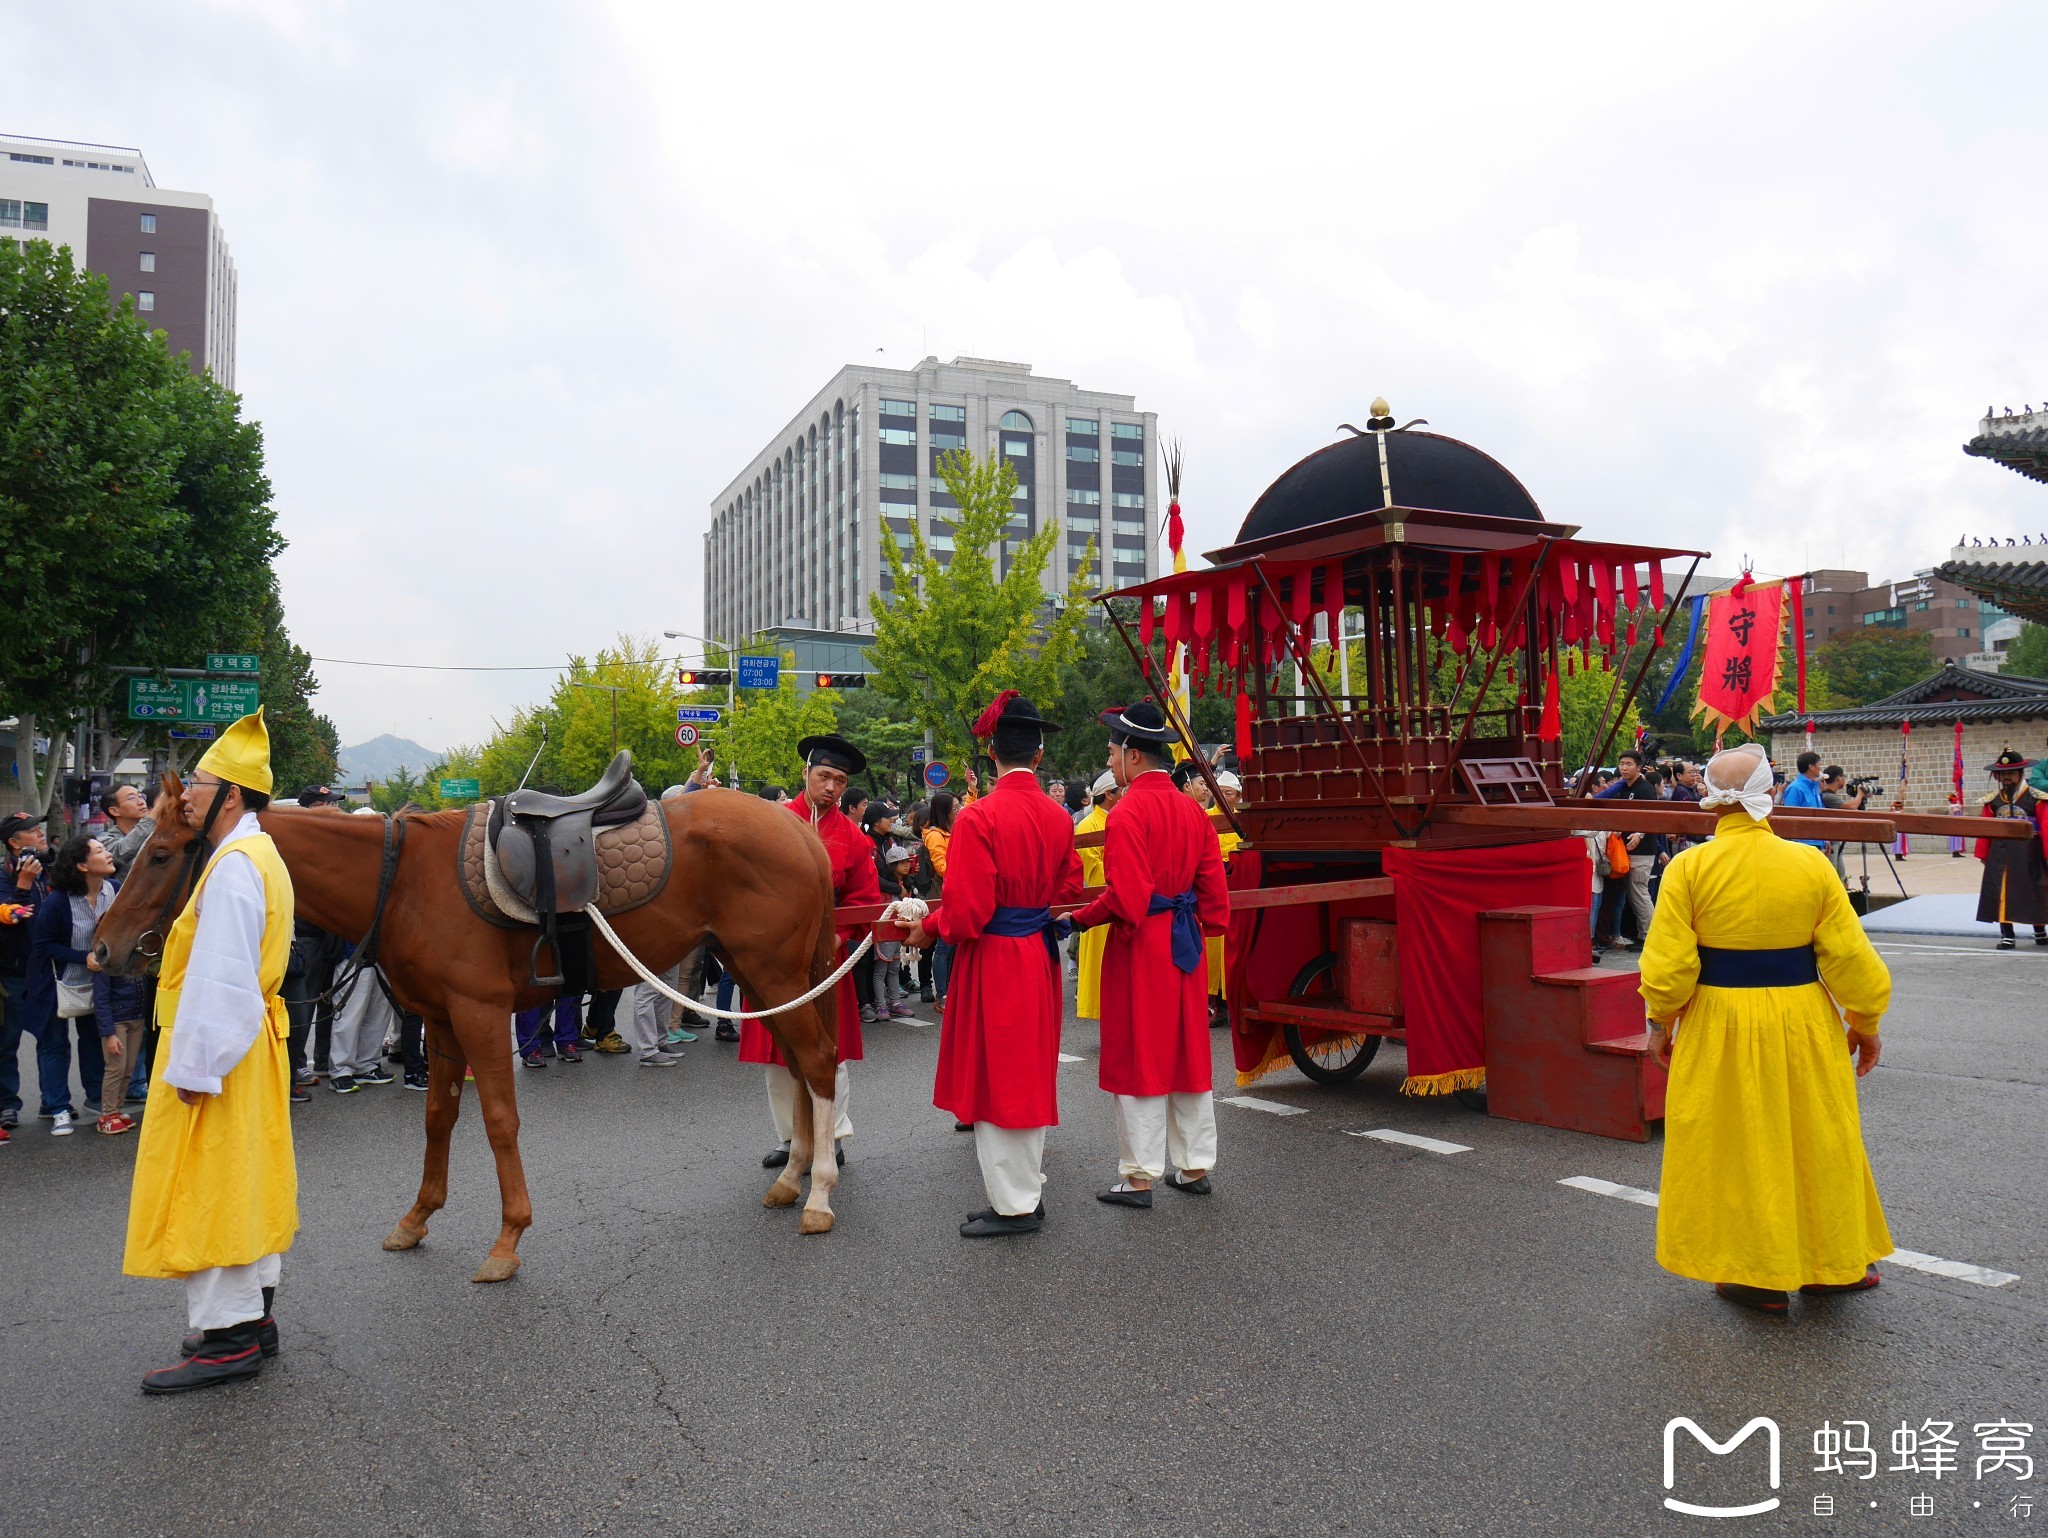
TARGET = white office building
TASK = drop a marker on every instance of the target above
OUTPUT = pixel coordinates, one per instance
(794, 539)
(164, 248)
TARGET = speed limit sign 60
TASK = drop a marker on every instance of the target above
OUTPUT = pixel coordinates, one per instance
(686, 735)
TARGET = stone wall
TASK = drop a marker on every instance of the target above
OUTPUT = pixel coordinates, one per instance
(1875, 750)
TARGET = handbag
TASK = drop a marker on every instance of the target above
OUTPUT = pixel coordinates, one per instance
(73, 1000)
(1617, 855)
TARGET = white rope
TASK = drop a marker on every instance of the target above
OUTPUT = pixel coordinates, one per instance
(906, 910)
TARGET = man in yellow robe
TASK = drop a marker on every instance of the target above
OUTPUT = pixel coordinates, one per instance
(1753, 950)
(1219, 1011)
(216, 1194)
(1088, 980)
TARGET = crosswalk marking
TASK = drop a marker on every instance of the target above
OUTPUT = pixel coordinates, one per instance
(1413, 1140)
(1068, 1057)
(1271, 1107)
(1601, 1187)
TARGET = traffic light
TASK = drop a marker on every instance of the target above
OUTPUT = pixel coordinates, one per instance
(842, 680)
(704, 678)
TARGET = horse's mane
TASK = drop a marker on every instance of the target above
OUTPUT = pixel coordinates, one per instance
(449, 818)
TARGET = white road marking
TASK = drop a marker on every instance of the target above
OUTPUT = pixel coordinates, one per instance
(1608, 1188)
(1068, 1057)
(1933, 1265)
(1272, 1107)
(1892, 948)
(1430, 1144)
(1962, 1271)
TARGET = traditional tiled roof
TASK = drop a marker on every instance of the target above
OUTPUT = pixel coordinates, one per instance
(1974, 696)
(2018, 587)
(2018, 443)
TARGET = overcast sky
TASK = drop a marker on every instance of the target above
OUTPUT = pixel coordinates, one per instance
(524, 285)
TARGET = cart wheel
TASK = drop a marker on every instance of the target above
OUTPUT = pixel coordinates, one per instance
(1471, 1099)
(1333, 1062)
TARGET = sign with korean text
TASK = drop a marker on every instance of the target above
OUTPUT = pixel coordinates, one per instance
(1739, 667)
(760, 672)
(461, 790)
(702, 715)
(192, 699)
(936, 774)
(233, 662)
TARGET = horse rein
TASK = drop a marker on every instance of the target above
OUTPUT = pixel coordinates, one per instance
(197, 853)
(365, 954)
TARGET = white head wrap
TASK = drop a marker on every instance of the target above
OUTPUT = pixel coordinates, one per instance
(1228, 780)
(1740, 777)
(1104, 783)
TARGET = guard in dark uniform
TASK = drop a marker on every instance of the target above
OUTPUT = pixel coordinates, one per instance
(2015, 887)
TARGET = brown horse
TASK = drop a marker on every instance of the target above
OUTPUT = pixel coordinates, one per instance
(747, 876)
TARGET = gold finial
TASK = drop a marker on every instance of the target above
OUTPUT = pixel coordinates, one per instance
(1380, 408)
(1382, 416)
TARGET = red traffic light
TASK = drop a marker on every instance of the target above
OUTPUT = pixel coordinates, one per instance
(842, 680)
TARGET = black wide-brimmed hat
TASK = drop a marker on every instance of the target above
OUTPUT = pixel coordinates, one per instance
(1012, 712)
(1143, 723)
(833, 751)
(2011, 758)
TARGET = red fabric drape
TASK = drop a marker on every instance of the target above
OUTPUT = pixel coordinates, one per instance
(1797, 587)
(1438, 897)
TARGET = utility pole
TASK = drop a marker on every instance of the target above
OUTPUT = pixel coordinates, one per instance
(614, 690)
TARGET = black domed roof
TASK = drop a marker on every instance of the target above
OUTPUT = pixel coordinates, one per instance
(1423, 470)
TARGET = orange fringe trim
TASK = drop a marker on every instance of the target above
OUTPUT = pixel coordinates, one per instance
(1444, 1083)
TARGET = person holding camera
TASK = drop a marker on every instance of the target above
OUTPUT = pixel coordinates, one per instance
(1803, 790)
(23, 889)
(1837, 792)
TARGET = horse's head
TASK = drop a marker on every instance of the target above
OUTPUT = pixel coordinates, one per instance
(130, 936)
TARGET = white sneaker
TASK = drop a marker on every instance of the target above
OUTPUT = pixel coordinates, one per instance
(60, 1124)
(660, 1060)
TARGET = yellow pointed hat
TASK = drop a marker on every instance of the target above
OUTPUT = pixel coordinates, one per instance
(241, 754)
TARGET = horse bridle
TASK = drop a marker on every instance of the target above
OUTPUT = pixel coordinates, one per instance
(197, 853)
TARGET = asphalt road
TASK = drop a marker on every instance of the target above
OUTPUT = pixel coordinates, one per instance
(1350, 1336)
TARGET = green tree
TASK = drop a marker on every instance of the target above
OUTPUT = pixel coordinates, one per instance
(2027, 657)
(136, 513)
(883, 728)
(1871, 662)
(948, 638)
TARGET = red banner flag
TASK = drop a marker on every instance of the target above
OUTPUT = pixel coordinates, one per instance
(1739, 671)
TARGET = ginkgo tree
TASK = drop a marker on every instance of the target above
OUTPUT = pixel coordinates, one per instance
(950, 635)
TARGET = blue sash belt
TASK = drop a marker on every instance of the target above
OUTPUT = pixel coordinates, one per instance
(1187, 927)
(1792, 967)
(1013, 922)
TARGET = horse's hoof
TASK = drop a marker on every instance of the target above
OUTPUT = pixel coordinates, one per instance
(496, 1268)
(781, 1195)
(403, 1238)
(816, 1220)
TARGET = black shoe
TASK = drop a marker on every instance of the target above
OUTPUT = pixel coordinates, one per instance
(301, 1095)
(532, 1060)
(343, 1084)
(394, 1054)
(1199, 1187)
(962, 1126)
(1125, 1198)
(569, 1055)
(726, 1032)
(266, 1337)
(990, 1225)
(1763, 1299)
(990, 1212)
(2039, 938)
(774, 1158)
(924, 995)
(2008, 944)
(10, 1119)
(222, 1357)
(839, 1152)
(376, 1075)
(416, 1079)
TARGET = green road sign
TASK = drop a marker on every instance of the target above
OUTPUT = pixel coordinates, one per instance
(233, 662)
(461, 790)
(192, 699)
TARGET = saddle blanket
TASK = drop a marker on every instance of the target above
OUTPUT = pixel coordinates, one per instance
(633, 862)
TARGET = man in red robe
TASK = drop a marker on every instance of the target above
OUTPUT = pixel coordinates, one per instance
(1163, 892)
(828, 761)
(1011, 859)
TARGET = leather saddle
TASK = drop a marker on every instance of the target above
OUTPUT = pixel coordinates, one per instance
(546, 848)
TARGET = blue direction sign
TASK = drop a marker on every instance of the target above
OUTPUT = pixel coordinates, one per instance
(936, 774)
(702, 715)
(760, 673)
(196, 734)
(919, 754)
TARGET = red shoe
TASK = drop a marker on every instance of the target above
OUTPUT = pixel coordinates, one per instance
(114, 1123)
(1869, 1280)
(1764, 1300)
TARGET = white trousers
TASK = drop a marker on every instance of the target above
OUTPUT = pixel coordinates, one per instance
(360, 1026)
(1152, 1130)
(1012, 1166)
(782, 1088)
(648, 1022)
(221, 1296)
